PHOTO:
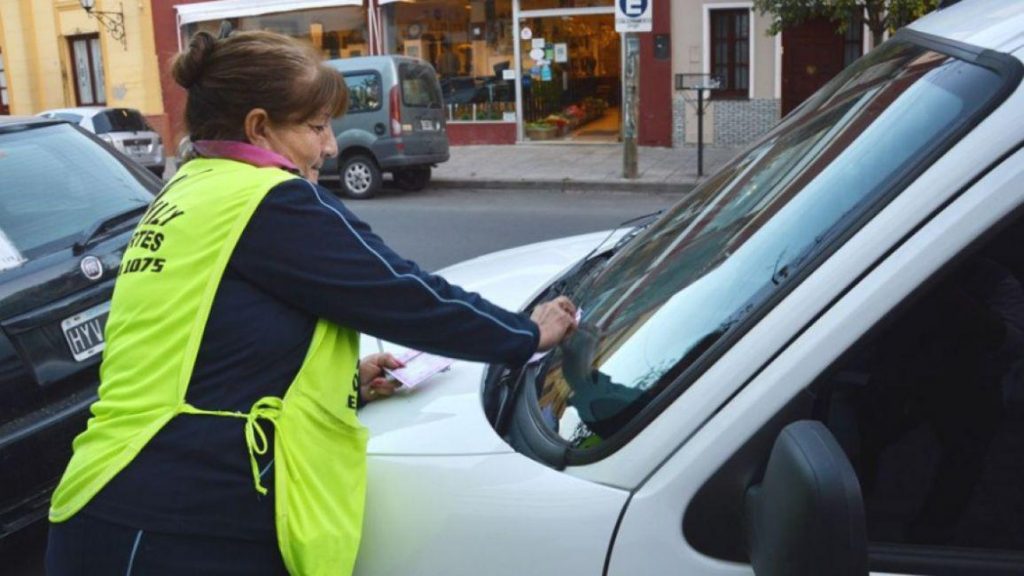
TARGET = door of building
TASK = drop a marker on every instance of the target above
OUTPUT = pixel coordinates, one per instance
(813, 53)
(570, 66)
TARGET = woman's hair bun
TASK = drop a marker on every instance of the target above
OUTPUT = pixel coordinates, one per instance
(189, 65)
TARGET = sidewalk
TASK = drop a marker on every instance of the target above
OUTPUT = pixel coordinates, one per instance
(575, 167)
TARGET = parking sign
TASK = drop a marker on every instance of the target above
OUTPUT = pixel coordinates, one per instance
(633, 15)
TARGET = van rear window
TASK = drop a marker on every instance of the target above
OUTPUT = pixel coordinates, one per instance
(419, 86)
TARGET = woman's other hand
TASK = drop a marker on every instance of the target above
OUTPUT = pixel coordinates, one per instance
(373, 382)
(556, 320)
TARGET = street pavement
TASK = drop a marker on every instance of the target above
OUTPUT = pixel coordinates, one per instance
(570, 167)
(576, 166)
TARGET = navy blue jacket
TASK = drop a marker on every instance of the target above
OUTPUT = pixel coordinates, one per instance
(303, 256)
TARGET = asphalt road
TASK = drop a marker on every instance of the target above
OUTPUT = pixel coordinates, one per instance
(436, 228)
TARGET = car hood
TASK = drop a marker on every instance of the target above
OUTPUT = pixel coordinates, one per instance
(444, 415)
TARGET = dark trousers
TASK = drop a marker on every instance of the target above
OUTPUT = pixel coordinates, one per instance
(86, 545)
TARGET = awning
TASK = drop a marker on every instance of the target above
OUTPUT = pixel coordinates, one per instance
(220, 9)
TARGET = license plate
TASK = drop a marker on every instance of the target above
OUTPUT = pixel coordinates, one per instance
(137, 149)
(426, 124)
(84, 331)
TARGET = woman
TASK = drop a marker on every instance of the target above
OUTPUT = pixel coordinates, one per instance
(225, 438)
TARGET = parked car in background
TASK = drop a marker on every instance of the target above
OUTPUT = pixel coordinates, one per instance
(125, 129)
(68, 206)
(395, 123)
(813, 364)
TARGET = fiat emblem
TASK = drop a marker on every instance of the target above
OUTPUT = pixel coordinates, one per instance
(92, 267)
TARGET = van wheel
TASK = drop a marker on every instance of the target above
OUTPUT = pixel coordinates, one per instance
(413, 179)
(360, 177)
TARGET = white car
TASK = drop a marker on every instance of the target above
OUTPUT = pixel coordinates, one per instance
(125, 129)
(813, 364)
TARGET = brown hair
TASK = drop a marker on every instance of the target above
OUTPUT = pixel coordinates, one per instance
(226, 78)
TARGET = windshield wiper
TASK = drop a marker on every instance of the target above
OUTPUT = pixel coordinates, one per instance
(93, 232)
(640, 223)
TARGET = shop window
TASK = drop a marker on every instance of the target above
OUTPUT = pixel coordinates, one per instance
(87, 68)
(470, 45)
(730, 51)
(572, 78)
(339, 32)
(561, 4)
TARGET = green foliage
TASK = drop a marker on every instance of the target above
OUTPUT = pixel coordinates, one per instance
(879, 15)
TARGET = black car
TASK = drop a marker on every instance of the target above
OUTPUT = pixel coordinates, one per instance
(68, 205)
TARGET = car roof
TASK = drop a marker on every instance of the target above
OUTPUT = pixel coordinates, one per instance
(14, 122)
(87, 111)
(360, 62)
(993, 24)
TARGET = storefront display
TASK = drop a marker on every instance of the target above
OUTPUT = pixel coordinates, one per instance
(565, 71)
(469, 44)
(571, 78)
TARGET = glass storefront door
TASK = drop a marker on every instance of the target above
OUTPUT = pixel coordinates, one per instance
(571, 68)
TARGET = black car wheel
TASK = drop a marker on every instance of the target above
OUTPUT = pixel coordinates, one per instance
(360, 177)
(413, 179)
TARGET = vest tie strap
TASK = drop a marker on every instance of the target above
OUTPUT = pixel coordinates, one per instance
(267, 408)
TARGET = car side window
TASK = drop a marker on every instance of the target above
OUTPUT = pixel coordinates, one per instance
(929, 409)
(364, 92)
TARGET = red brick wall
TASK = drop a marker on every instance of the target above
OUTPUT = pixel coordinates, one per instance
(482, 133)
(165, 30)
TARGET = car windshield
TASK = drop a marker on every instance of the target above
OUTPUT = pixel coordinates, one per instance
(716, 258)
(119, 120)
(57, 183)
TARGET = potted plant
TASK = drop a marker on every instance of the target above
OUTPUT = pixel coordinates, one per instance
(541, 130)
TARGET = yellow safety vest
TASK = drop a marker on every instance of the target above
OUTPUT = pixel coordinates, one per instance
(162, 299)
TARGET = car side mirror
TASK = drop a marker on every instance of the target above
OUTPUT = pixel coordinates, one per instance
(806, 517)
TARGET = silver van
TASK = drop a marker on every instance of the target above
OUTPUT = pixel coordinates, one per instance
(395, 123)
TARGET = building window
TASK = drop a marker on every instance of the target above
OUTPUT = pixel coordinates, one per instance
(87, 66)
(469, 43)
(853, 40)
(5, 103)
(730, 51)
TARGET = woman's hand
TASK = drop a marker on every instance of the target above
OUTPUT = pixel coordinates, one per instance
(373, 383)
(556, 320)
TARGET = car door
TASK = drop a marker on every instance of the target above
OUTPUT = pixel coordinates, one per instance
(689, 517)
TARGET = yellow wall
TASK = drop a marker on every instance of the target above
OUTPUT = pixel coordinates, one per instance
(33, 37)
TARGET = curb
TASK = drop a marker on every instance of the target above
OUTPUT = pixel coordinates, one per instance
(567, 185)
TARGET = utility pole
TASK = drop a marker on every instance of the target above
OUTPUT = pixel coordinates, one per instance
(631, 105)
(631, 16)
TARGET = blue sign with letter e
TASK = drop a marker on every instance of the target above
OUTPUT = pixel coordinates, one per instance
(633, 8)
(633, 15)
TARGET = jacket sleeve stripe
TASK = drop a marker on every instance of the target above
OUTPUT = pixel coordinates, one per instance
(412, 277)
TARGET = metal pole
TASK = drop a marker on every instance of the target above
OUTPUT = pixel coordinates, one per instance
(630, 108)
(700, 131)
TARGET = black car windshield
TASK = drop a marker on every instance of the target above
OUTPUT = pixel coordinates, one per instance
(57, 183)
(716, 258)
(119, 120)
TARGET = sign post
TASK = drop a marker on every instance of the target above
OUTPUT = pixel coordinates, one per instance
(699, 83)
(631, 16)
